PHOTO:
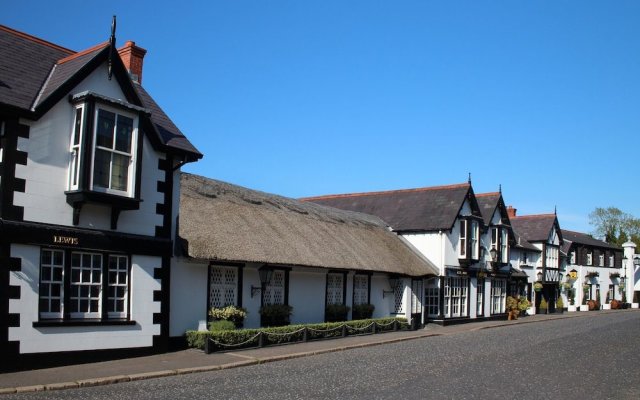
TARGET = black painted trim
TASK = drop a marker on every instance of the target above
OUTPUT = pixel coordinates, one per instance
(85, 322)
(42, 235)
(12, 157)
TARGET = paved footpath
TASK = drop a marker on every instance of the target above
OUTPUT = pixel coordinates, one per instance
(191, 361)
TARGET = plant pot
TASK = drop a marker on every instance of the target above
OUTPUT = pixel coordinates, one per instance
(572, 308)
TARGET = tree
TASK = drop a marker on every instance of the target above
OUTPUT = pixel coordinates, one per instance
(615, 225)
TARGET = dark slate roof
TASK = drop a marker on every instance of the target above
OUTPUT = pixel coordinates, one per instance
(534, 228)
(587, 240)
(66, 68)
(423, 209)
(25, 63)
(523, 243)
(488, 202)
(34, 73)
(166, 130)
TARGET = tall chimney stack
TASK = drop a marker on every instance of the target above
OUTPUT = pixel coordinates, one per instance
(511, 212)
(132, 57)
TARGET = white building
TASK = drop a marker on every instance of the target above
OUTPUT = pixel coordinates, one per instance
(316, 256)
(449, 227)
(87, 168)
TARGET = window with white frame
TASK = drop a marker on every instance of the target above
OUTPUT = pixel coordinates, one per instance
(589, 258)
(601, 260)
(572, 259)
(51, 283)
(118, 278)
(612, 261)
(552, 256)
(85, 285)
(432, 298)
(611, 295)
(498, 295)
(455, 297)
(500, 243)
(360, 289)
(74, 169)
(473, 241)
(112, 153)
(468, 242)
(75, 289)
(462, 242)
(223, 286)
(274, 290)
(504, 245)
(416, 293)
(480, 298)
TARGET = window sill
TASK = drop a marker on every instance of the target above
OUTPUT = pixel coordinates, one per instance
(81, 322)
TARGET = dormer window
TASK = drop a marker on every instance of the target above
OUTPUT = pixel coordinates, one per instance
(468, 243)
(105, 154)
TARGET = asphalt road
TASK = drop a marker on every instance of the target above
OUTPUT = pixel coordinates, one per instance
(578, 358)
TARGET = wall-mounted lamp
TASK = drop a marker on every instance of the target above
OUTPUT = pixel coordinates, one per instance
(539, 275)
(393, 282)
(265, 277)
(636, 261)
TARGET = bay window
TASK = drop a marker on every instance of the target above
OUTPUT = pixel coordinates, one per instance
(105, 151)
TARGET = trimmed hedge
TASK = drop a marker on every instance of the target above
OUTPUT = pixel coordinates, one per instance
(197, 339)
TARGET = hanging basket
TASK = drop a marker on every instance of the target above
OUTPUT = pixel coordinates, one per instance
(537, 286)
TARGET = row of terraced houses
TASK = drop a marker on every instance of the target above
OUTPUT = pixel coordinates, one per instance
(108, 249)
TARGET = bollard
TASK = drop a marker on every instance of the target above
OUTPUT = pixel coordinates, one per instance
(374, 327)
(344, 330)
(260, 339)
(305, 334)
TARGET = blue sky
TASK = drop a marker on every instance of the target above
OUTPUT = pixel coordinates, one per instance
(305, 98)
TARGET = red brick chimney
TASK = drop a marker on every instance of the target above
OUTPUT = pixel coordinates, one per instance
(511, 212)
(132, 57)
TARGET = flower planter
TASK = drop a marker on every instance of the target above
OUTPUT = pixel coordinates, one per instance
(606, 307)
(635, 305)
(584, 307)
(571, 308)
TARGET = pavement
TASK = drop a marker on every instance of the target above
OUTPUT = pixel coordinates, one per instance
(193, 361)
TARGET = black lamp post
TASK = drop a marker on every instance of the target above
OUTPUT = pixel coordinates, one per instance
(265, 277)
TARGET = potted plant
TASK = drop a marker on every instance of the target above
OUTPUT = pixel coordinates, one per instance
(523, 305)
(559, 305)
(594, 305)
(512, 308)
(275, 314)
(362, 311)
(615, 304)
(234, 314)
(542, 308)
(537, 286)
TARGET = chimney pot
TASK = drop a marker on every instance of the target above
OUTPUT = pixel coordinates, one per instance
(132, 56)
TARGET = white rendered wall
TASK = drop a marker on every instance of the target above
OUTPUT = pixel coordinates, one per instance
(437, 247)
(188, 296)
(53, 339)
(47, 170)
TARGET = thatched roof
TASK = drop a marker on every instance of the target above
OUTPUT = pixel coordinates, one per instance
(225, 222)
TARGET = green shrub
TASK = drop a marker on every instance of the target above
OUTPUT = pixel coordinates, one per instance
(222, 325)
(512, 303)
(336, 312)
(543, 305)
(229, 313)
(523, 304)
(362, 311)
(275, 314)
(559, 303)
(248, 337)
